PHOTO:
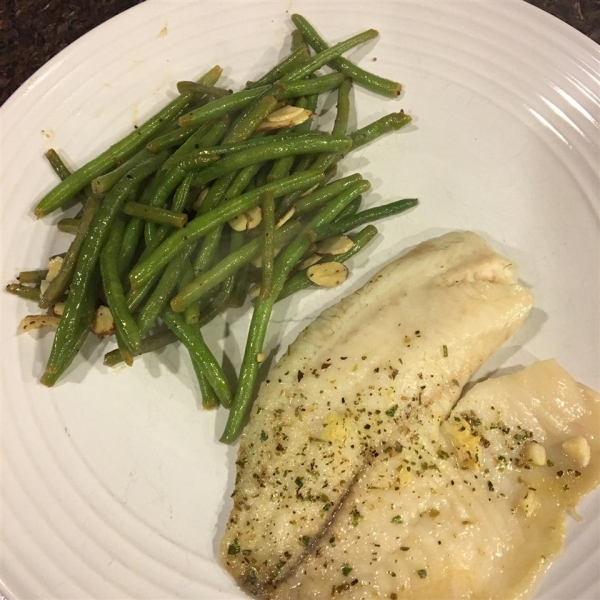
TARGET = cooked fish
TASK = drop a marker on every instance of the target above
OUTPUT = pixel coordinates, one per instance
(351, 389)
(472, 507)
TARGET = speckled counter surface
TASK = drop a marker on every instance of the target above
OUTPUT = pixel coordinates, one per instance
(33, 31)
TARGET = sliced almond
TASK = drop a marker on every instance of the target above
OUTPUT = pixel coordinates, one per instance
(254, 291)
(37, 322)
(200, 198)
(328, 274)
(286, 217)
(334, 245)
(288, 116)
(54, 265)
(104, 324)
(239, 222)
(44, 283)
(285, 114)
(59, 308)
(254, 217)
(309, 262)
(309, 190)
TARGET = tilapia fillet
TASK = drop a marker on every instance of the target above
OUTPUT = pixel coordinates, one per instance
(389, 359)
(481, 512)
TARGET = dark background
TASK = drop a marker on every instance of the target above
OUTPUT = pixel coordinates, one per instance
(33, 31)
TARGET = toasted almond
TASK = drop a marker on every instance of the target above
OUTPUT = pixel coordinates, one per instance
(37, 322)
(254, 217)
(328, 274)
(54, 265)
(261, 357)
(285, 114)
(59, 308)
(254, 291)
(286, 217)
(44, 283)
(334, 245)
(200, 198)
(309, 190)
(104, 324)
(279, 119)
(239, 222)
(309, 262)
(578, 448)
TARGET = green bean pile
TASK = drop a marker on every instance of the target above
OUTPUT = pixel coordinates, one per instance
(219, 198)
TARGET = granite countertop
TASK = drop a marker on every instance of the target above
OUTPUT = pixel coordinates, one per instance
(33, 31)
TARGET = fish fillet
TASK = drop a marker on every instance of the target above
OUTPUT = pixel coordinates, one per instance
(354, 384)
(474, 517)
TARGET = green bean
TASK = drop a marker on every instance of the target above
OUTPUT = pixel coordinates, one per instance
(109, 158)
(133, 231)
(350, 210)
(273, 150)
(162, 292)
(239, 287)
(150, 343)
(375, 83)
(301, 281)
(207, 135)
(179, 136)
(316, 198)
(208, 249)
(221, 107)
(261, 177)
(136, 296)
(194, 342)
(111, 283)
(57, 164)
(176, 174)
(317, 85)
(161, 216)
(80, 334)
(191, 87)
(89, 255)
(340, 126)
(298, 41)
(268, 246)
(367, 216)
(209, 398)
(123, 349)
(241, 99)
(192, 312)
(234, 261)
(101, 185)
(24, 291)
(241, 130)
(173, 138)
(289, 63)
(327, 55)
(264, 306)
(61, 282)
(68, 225)
(32, 276)
(195, 229)
(61, 169)
(282, 166)
(391, 122)
(242, 181)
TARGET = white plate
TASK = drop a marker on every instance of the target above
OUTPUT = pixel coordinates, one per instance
(113, 484)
